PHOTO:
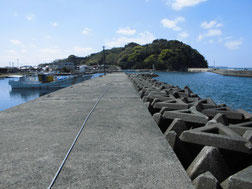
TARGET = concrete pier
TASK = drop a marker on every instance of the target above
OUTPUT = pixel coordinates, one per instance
(120, 146)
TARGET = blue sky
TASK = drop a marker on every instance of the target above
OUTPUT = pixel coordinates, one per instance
(38, 31)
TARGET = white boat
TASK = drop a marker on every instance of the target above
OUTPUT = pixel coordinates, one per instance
(33, 83)
(14, 76)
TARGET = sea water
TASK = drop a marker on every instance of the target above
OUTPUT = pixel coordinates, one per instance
(236, 92)
(12, 97)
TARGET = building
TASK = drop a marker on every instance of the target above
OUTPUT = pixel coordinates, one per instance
(62, 65)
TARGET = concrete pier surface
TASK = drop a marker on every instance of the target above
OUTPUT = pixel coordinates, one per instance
(120, 146)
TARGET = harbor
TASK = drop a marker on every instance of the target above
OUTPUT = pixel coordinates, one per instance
(95, 96)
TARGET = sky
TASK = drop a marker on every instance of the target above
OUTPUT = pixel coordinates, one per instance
(40, 31)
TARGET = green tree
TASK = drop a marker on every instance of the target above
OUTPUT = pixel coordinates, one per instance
(150, 61)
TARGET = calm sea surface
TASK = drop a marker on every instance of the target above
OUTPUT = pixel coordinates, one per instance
(235, 92)
(10, 97)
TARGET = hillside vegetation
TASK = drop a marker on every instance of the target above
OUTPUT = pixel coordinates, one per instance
(162, 54)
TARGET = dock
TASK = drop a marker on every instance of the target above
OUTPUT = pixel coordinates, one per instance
(120, 146)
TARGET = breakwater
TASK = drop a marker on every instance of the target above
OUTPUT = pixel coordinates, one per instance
(120, 146)
(239, 73)
(213, 142)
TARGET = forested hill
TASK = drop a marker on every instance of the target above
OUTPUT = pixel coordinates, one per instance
(163, 54)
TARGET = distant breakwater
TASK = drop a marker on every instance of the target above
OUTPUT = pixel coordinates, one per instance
(239, 73)
(213, 142)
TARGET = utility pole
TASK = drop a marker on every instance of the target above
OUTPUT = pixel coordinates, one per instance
(104, 60)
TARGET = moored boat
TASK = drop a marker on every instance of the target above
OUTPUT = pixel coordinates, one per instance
(45, 81)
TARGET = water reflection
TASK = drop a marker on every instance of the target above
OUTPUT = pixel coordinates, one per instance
(26, 95)
(12, 97)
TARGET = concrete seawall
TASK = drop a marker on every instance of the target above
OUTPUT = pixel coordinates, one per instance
(199, 69)
(120, 146)
(239, 73)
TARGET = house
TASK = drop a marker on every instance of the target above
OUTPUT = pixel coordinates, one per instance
(62, 65)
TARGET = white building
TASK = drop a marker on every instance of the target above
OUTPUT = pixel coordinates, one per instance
(83, 68)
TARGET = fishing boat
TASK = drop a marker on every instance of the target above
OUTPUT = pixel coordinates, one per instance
(47, 81)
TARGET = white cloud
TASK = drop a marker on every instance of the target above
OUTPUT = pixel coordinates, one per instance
(183, 35)
(86, 31)
(141, 38)
(54, 24)
(213, 32)
(234, 44)
(15, 42)
(210, 33)
(172, 24)
(206, 25)
(82, 51)
(179, 4)
(126, 31)
(30, 17)
(210, 24)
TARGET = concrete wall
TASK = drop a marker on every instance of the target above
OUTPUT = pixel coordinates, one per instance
(240, 73)
(198, 69)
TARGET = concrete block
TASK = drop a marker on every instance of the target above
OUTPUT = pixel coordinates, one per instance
(209, 159)
(205, 181)
(187, 115)
(240, 180)
(217, 135)
(174, 104)
(165, 86)
(190, 100)
(218, 118)
(248, 135)
(161, 98)
(171, 138)
(247, 115)
(197, 107)
(229, 113)
(241, 128)
(157, 118)
(208, 103)
(177, 126)
(147, 104)
(187, 90)
(185, 152)
(171, 90)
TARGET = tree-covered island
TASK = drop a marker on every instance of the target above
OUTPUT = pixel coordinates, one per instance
(161, 54)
